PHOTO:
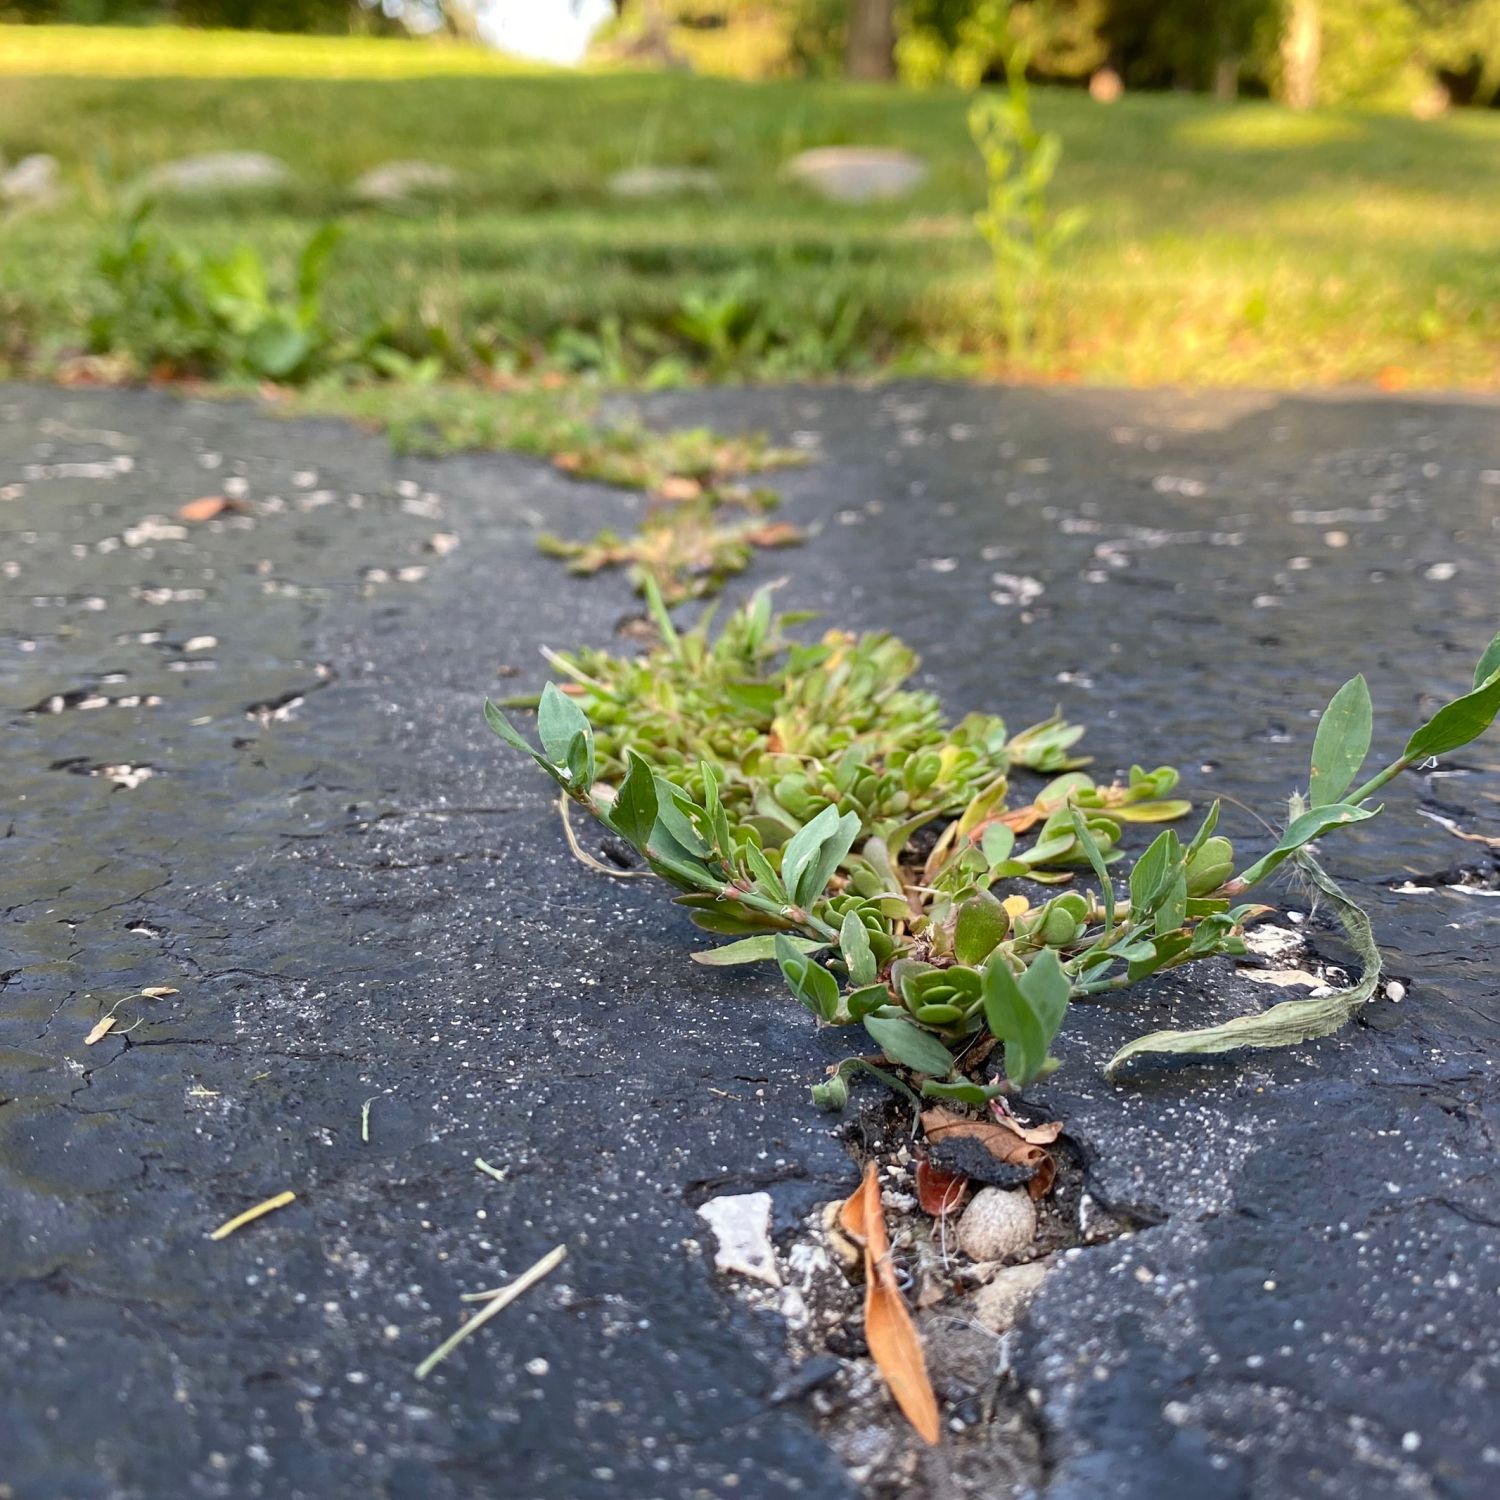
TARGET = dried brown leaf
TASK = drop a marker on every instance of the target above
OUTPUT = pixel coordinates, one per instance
(940, 1192)
(1006, 1140)
(206, 508)
(100, 1031)
(889, 1330)
(678, 487)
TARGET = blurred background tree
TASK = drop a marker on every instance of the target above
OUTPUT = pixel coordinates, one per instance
(1418, 54)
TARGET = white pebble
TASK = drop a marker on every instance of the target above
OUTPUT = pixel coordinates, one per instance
(997, 1225)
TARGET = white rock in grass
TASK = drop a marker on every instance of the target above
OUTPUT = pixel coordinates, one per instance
(741, 1223)
(858, 174)
(999, 1303)
(33, 179)
(997, 1225)
(662, 182)
(392, 181)
(219, 172)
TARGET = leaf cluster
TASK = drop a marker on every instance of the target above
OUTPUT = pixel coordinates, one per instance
(813, 808)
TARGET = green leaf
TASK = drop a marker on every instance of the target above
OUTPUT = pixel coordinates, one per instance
(997, 842)
(832, 1095)
(754, 950)
(517, 741)
(1341, 744)
(819, 870)
(1290, 1022)
(980, 926)
(1312, 824)
(312, 270)
(854, 945)
(1152, 876)
(506, 730)
(909, 1045)
(1166, 811)
(276, 348)
(859, 1003)
(802, 848)
(672, 820)
(1096, 859)
(1172, 912)
(1489, 663)
(1026, 1014)
(808, 980)
(558, 721)
(633, 813)
(1456, 723)
(726, 919)
(1205, 830)
(713, 807)
(580, 763)
(964, 1093)
(766, 877)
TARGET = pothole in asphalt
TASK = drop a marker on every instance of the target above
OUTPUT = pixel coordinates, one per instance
(810, 1276)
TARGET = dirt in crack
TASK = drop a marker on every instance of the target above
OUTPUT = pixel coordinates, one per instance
(994, 1444)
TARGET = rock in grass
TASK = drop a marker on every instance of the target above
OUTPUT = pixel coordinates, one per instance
(393, 181)
(998, 1224)
(858, 174)
(662, 182)
(219, 172)
(33, 179)
(999, 1303)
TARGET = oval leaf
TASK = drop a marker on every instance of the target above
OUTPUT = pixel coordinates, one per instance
(1456, 723)
(909, 1045)
(1342, 742)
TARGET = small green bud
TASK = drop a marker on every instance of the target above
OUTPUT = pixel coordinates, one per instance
(1210, 867)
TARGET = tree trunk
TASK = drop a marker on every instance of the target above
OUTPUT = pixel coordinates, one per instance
(1301, 49)
(871, 52)
(1227, 77)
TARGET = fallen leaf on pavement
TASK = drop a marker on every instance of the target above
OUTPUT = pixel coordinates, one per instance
(775, 534)
(1006, 1140)
(939, 1192)
(679, 487)
(889, 1331)
(206, 508)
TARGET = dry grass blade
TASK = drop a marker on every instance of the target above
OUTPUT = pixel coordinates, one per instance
(501, 1298)
(889, 1331)
(251, 1214)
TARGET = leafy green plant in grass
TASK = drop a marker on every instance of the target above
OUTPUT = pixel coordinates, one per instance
(791, 792)
(1024, 233)
(166, 307)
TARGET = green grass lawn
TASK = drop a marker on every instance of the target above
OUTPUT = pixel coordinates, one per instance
(1224, 244)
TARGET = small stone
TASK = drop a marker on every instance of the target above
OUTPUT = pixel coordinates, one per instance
(858, 174)
(999, 1303)
(662, 182)
(33, 179)
(998, 1224)
(393, 181)
(219, 172)
(741, 1223)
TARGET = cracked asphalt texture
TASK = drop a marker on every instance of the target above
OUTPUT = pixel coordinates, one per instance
(360, 895)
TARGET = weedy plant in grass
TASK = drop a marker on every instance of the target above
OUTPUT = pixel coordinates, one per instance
(164, 306)
(812, 807)
(1024, 233)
